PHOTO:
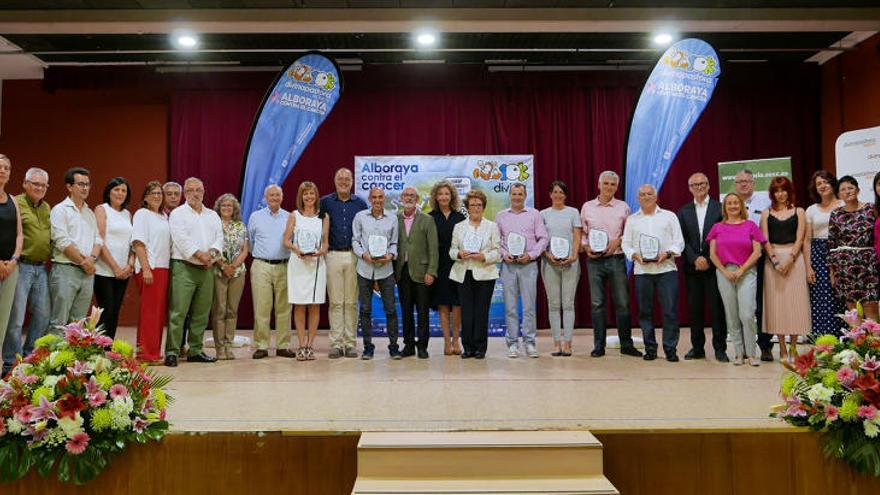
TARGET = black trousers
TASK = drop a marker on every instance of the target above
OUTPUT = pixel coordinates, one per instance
(418, 295)
(475, 297)
(764, 339)
(109, 293)
(702, 290)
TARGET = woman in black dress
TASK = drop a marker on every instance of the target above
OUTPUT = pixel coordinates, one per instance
(445, 211)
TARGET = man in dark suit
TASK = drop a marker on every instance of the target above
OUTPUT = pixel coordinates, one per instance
(696, 218)
(415, 269)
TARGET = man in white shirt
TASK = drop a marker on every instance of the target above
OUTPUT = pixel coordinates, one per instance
(75, 248)
(744, 185)
(196, 243)
(652, 239)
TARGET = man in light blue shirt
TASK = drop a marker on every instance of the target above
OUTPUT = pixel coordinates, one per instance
(269, 274)
(374, 232)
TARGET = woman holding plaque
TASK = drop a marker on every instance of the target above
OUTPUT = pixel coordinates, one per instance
(306, 236)
(823, 304)
(734, 248)
(786, 292)
(445, 212)
(851, 256)
(476, 249)
(560, 269)
(229, 275)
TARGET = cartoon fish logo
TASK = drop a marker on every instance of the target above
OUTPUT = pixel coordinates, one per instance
(300, 72)
(325, 80)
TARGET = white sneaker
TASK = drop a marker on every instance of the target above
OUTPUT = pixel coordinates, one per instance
(531, 350)
(513, 351)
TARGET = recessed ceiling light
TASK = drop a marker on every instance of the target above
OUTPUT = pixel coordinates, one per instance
(185, 40)
(426, 38)
(662, 39)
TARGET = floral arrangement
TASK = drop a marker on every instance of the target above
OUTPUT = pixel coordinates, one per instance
(834, 389)
(75, 402)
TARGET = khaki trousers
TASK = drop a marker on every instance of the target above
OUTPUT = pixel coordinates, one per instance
(268, 285)
(342, 290)
(227, 295)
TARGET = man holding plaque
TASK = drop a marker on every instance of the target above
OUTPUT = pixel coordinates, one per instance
(652, 239)
(415, 269)
(523, 240)
(602, 220)
(374, 242)
(696, 219)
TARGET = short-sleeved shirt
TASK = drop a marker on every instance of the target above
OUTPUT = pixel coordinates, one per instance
(559, 223)
(610, 217)
(341, 217)
(733, 242)
(151, 229)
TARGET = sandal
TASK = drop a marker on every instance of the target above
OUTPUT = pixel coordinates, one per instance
(310, 354)
(301, 354)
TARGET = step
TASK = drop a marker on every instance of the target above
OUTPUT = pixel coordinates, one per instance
(595, 485)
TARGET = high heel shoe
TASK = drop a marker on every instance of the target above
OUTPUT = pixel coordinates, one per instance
(447, 348)
(456, 349)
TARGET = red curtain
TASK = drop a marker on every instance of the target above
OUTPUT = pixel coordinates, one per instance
(574, 123)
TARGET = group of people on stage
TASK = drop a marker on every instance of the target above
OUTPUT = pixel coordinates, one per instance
(760, 264)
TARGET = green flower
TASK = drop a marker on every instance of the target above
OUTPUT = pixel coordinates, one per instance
(122, 347)
(161, 399)
(789, 382)
(849, 410)
(47, 340)
(44, 391)
(101, 419)
(63, 358)
(827, 340)
(104, 380)
(829, 379)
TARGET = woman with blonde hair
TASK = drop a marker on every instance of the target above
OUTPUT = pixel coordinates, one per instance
(229, 276)
(445, 212)
(307, 237)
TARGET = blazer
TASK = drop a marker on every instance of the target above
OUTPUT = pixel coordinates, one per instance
(695, 245)
(420, 245)
(491, 249)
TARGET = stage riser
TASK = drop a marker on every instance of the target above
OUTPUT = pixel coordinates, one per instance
(675, 463)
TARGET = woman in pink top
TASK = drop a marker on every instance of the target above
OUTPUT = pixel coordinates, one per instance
(735, 247)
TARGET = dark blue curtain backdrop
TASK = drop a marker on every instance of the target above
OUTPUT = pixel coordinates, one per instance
(575, 123)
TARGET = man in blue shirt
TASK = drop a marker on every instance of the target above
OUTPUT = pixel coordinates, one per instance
(342, 288)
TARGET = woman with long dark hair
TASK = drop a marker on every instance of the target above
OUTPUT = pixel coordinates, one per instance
(823, 304)
(115, 264)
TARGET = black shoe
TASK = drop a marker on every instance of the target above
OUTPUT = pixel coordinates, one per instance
(649, 356)
(368, 353)
(408, 350)
(467, 355)
(694, 354)
(766, 355)
(672, 357)
(394, 353)
(200, 358)
(721, 357)
(596, 353)
(171, 361)
(631, 351)
(423, 353)
(260, 354)
(479, 355)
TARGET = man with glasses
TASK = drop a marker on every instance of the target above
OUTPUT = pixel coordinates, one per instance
(342, 282)
(32, 288)
(696, 219)
(196, 243)
(75, 247)
(744, 185)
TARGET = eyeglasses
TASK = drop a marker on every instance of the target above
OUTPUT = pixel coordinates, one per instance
(38, 185)
(699, 184)
(744, 181)
(196, 190)
(154, 193)
(475, 205)
(82, 184)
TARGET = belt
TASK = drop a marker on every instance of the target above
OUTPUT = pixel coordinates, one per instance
(29, 262)
(272, 262)
(340, 249)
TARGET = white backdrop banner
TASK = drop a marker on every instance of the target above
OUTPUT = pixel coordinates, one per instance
(858, 154)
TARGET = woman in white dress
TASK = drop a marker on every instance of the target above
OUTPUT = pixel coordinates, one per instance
(306, 236)
(116, 262)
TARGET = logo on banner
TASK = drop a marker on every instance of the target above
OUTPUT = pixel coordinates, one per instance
(303, 73)
(681, 59)
(505, 172)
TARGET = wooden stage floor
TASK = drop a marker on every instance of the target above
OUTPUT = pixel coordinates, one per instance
(610, 394)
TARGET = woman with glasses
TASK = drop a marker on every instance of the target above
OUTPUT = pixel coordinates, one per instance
(476, 249)
(115, 263)
(229, 275)
(151, 243)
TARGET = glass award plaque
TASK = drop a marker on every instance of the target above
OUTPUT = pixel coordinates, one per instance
(516, 244)
(307, 241)
(649, 247)
(560, 248)
(378, 246)
(472, 242)
(598, 240)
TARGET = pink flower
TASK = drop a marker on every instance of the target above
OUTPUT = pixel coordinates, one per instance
(853, 334)
(867, 412)
(25, 415)
(92, 386)
(46, 410)
(2, 428)
(114, 355)
(824, 347)
(103, 340)
(851, 317)
(29, 379)
(118, 390)
(870, 363)
(79, 368)
(872, 326)
(75, 332)
(98, 398)
(140, 425)
(830, 413)
(77, 445)
(847, 376)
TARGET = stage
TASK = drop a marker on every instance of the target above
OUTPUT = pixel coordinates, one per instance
(612, 393)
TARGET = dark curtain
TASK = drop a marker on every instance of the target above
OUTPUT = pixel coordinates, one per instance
(574, 123)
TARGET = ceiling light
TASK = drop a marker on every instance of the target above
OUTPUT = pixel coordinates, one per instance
(185, 40)
(426, 39)
(662, 39)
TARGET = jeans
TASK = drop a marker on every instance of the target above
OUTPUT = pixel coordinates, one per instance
(520, 281)
(739, 309)
(365, 298)
(560, 283)
(26, 280)
(610, 269)
(666, 287)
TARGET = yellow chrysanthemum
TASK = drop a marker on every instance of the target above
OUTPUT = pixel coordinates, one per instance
(47, 340)
(161, 399)
(827, 340)
(101, 419)
(104, 380)
(849, 410)
(122, 347)
(789, 382)
(44, 391)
